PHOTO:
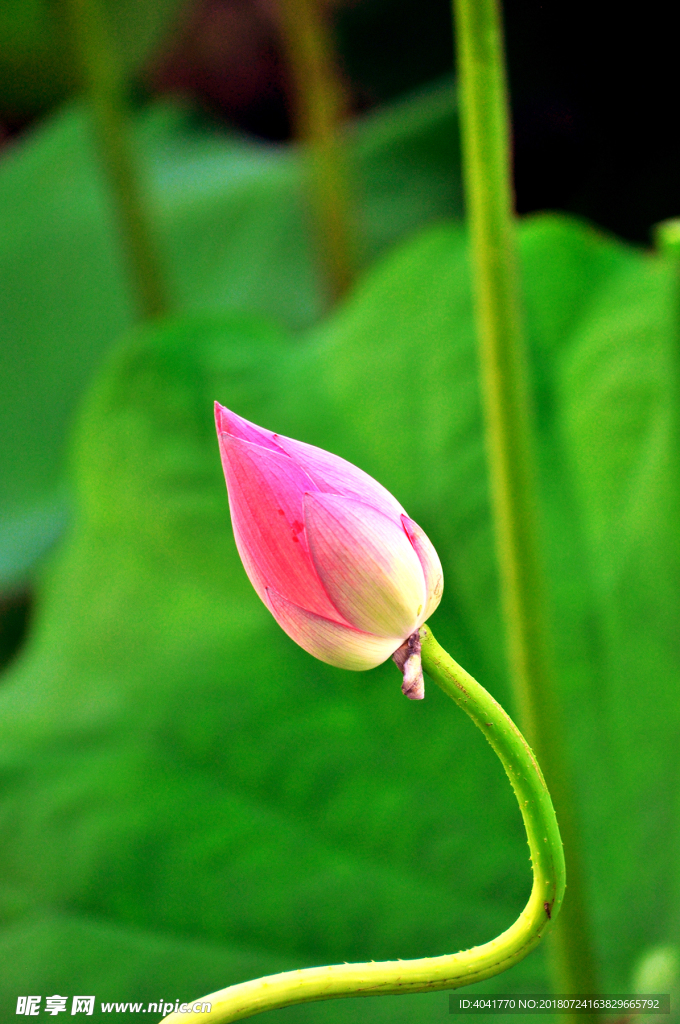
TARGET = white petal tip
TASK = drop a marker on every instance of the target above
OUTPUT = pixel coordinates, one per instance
(336, 644)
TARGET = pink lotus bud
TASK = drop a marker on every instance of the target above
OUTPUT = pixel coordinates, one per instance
(332, 554)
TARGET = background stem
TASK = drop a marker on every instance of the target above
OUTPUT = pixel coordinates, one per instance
(667, 238)
(103, 81)
(487, 174)
(318, 107)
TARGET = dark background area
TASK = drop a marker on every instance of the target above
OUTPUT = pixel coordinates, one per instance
(594, 97)
(594, 93)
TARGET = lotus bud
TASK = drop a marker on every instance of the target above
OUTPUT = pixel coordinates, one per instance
(333, 556)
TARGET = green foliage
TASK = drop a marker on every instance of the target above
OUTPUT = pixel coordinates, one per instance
(37, 65)
(188, 799)
(231, 216)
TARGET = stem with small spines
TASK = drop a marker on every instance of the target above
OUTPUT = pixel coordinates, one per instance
(402, 977)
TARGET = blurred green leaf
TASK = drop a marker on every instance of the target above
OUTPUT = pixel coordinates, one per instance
(175, 770)
(233, 222)
(37, 66)
(599, 320)
(122, 964)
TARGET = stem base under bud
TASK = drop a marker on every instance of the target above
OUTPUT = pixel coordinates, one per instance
(407, 660)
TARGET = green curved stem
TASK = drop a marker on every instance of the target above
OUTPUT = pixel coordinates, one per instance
(401, 977)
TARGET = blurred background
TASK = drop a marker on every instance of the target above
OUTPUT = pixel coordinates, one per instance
(173, 819)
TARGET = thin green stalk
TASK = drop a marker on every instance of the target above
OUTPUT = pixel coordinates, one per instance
(102, 78)
(487, 171)
(401, 977)
(318, 104)
(667, 238)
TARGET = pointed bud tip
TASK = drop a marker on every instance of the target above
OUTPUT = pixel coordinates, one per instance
(220, 412)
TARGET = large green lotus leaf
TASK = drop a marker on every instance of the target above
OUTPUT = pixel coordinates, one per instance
(600, 332)
(176, 771)
(599, 323)
(236, 234)
(170, 779)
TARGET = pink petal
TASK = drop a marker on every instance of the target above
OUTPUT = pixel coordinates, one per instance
(328, 641)
(432, 567)
(228, 422)
(366, 563)
(330, 473)
(334, 475)
(266, 501)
